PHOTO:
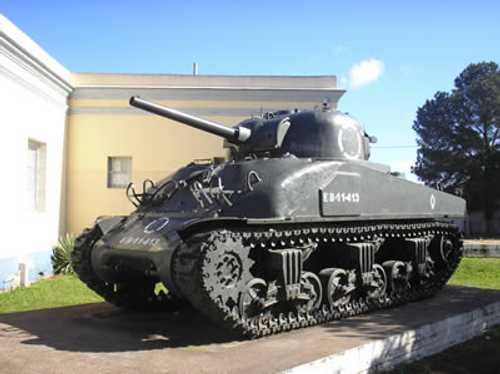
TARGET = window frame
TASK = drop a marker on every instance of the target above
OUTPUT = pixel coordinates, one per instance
(37, 193)
(111, 173)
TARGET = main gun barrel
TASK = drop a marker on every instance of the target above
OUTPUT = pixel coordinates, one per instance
(234, 135)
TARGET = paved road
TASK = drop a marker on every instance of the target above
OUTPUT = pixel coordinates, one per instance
(99, 338)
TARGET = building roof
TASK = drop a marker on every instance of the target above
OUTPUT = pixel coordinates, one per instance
(16, 44)
(106, 80)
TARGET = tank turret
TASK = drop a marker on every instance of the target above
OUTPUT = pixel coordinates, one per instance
(321, 133)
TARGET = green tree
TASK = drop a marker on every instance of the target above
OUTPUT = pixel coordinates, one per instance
(459, 139)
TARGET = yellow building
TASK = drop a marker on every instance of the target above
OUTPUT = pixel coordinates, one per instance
(71, 143)
(108, 139)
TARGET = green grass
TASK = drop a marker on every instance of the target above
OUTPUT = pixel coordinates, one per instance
(478, 272)
(68, 290)
(47, 293)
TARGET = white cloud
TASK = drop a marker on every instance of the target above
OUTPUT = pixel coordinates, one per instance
(365, 72)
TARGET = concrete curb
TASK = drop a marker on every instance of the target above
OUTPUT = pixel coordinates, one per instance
(481, 250)
(408, 346)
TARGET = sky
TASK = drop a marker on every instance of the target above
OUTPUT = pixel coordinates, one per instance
(390, 56)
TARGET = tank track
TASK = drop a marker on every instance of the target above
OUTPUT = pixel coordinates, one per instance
(133, 295)
(191, 262)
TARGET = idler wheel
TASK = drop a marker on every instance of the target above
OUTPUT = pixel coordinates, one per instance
(252, 298)
(312, 289)
(378, 285)
(442, 250)
(446, 249)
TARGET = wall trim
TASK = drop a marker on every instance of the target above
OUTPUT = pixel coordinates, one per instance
(264, 95)
(113, 80)
(26, 53)
(58, 99)
(224, 112)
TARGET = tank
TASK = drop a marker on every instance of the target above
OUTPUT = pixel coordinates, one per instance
(295, 227)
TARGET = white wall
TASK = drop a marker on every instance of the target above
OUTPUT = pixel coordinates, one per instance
(33, 105)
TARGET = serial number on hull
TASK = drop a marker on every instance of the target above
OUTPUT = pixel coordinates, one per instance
(341, 197)
(140, 241)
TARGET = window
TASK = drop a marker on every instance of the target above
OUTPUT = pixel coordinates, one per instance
(37, 155)
(119, 171)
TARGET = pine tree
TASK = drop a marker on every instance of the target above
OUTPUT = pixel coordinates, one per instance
(459, 139)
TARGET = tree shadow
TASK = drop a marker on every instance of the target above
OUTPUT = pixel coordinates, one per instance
(450, 301)
(417, 329)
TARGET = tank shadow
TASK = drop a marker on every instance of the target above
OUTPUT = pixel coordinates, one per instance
(103, 328)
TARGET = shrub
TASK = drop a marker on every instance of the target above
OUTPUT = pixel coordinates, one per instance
(61, 255)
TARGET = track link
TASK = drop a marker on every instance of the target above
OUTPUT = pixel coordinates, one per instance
(190, 272)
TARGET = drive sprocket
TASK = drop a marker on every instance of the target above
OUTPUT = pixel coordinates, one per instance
(226, 270)
(212, 271)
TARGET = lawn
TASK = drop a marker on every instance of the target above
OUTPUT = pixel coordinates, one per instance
(47, 293)
(68, 290)
(478, 272)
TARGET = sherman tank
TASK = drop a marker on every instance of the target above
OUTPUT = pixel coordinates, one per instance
(295, 227)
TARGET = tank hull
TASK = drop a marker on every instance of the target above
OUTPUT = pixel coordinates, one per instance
(315, 239)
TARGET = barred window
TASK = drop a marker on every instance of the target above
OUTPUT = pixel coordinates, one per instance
(119, 171)
(37, 170)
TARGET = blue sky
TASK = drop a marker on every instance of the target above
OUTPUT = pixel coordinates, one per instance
(404, 52)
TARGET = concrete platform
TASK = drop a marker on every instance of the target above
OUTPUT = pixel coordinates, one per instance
(482, 248)
(99, 338)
